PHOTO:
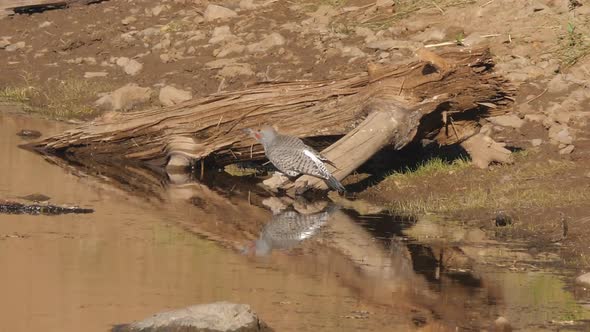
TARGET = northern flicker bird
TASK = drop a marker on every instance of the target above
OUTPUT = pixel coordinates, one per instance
(292, 157)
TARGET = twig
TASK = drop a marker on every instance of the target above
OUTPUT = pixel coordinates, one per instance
(487, 3)
(440, 44)
(510, 38)
(202, 168)
(438, 7)
(536, 97)
(401, 87)
(491, 35)
(233, 154)
(221, 85)
(218, 123)
(453, 126)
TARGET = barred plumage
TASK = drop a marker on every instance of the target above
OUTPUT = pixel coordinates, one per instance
(288, 229)
(293, 157)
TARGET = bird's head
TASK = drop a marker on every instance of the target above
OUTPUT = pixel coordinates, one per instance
(264, 135)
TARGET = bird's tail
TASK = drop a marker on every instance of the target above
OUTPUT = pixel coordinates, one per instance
(334, 184)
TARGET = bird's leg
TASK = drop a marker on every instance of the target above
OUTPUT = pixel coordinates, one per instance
(301, 188)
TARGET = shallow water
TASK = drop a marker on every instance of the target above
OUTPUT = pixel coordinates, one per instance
(182, 243)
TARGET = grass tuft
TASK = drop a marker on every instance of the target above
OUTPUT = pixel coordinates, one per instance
(440, 187)
(431, 167)
(65, 99)
(16, 94)
(405, 8)
(573, 46)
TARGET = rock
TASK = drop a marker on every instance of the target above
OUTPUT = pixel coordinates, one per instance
(124, 98)
(567, 150)
(15, 46)
(215, 12)
(45, 24)
(214, 317)
(29, 133)
(93, 74)
(509, 120)
(239, 69)
(221, 34)
(230, 68)
(170, 95)
(365, 32)
(133, 67)
(158, 10)
(248, 4)
(502, 219)
(128, 20)
(539, 118)
(4, 43)
(560, 134)
(352, 51)
(149, 32)
(501, 324)
(229, 49)
(388, 44)
(270, 41)
(130, 66)
(583, 280)
(558, 84)
(536, 142)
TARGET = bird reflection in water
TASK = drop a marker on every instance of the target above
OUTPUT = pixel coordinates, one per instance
(288, 229)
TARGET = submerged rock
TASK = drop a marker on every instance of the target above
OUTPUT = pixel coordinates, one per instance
(29, 133)
(36, 197)
(213, 317)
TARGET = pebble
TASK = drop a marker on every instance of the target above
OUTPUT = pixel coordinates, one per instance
(15, 46)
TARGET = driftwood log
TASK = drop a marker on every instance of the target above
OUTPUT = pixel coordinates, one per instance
(438, 96)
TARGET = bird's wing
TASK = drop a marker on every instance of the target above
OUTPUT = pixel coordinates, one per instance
(320, 156)
(300, 160)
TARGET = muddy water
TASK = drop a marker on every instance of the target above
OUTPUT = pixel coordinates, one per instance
(184, 243)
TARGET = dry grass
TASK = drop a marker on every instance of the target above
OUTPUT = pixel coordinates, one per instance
(405, 8)
(573, 45)
(64, 99)
(446, 188)
(16, 94)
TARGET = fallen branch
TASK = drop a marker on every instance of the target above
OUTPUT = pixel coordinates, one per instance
(387, 105)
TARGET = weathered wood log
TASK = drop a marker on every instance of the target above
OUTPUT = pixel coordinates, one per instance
(439, 96)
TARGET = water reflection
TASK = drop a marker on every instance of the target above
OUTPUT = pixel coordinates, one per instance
(287, 229)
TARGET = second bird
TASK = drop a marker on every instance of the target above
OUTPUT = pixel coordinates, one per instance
(293, 157)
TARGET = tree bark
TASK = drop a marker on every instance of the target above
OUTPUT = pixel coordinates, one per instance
(439, 96)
